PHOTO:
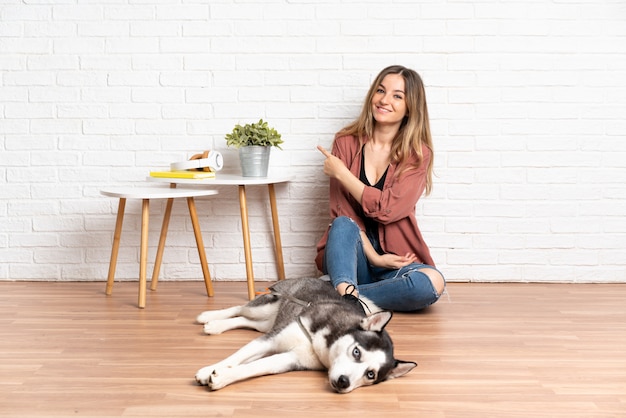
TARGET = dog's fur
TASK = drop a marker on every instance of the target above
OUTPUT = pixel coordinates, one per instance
(307, 326)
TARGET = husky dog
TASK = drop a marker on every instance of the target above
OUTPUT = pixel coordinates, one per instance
(307, 326)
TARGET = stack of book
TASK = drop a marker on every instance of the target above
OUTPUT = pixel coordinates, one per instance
(184, 174)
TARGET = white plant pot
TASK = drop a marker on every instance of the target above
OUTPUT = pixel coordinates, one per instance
(254, 160)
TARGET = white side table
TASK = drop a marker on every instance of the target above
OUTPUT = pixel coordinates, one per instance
(222, 179)
(145, 194)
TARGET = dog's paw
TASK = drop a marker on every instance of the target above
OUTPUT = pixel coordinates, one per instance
(205, 317)
(213, 328)
(204, 375)
(216, 382)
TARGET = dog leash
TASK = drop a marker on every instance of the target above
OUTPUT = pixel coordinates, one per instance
(296, 301)
(299, 319)
(300, 302)
(304, 330)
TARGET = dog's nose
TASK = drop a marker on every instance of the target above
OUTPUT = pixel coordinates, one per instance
(343, 382)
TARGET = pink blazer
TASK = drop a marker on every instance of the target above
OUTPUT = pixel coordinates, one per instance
(393, 207)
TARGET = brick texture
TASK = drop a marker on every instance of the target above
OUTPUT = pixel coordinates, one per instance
(527, 104)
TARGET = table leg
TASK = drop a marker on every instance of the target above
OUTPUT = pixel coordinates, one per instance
(200, 243)
(245, 229)
(161, 247)
(143, 252)
(116, 245)
(278, 246)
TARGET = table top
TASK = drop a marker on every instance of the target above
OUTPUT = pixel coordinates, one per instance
(144, 192)
(228, 179)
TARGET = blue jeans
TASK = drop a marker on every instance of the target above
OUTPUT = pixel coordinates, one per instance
(403, 290)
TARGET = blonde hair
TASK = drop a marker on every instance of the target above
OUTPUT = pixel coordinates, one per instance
(414, 132)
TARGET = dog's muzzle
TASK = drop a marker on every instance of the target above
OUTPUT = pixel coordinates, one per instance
(341, 383)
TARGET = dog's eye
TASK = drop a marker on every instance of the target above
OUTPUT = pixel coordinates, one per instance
(356, 353)
(370, 374)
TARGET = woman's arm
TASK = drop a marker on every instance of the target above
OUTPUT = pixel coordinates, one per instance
(398, 198)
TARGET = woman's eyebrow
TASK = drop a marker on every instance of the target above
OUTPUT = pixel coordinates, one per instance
(398, 91)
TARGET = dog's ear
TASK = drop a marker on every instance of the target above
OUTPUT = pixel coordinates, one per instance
(401, 368)
(376, 321)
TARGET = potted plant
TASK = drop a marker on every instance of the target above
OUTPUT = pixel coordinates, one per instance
(254, 141)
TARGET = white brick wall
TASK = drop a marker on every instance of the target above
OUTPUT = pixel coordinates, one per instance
(527, 103)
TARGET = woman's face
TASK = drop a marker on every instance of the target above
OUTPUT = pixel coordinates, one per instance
(388, 101)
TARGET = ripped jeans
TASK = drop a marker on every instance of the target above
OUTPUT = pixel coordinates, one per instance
(402, 290)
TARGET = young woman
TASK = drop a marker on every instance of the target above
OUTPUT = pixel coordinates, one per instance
(379, 167)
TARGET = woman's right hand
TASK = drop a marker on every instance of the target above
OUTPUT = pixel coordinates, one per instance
(333, 166)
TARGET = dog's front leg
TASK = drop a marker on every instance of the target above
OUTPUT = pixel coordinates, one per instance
(255, 349)
(275, 364)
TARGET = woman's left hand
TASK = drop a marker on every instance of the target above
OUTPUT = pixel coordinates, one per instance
(393, 261)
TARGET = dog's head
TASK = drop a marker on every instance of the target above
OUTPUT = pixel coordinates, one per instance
(365, 356)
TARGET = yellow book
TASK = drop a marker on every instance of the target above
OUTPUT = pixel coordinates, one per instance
(184, 174)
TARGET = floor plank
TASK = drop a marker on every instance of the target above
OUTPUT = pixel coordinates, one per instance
(487, 350)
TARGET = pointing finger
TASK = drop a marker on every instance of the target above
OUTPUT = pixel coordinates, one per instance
(323, 151)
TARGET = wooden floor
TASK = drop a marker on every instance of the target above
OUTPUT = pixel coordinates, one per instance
(489, 350)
